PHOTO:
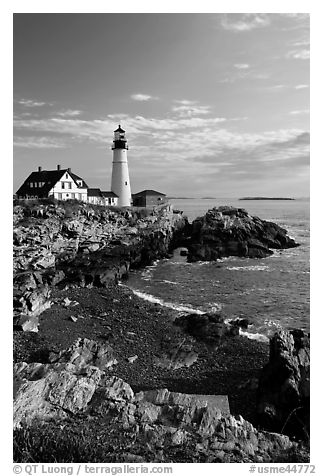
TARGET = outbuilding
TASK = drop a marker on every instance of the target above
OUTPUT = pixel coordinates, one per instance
(148, 198)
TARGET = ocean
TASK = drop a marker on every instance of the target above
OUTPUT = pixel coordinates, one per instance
(272, 292)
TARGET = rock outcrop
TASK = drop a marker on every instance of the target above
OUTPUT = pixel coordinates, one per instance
(84, 246)
(73, 387)
(229, 231)
(207, 327)
(284, 385)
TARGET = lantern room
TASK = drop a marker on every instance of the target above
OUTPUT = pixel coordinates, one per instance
(120, 141)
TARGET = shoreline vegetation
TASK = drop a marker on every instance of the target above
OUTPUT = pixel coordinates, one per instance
(70, 260)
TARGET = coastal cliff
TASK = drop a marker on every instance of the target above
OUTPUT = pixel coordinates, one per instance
(96, 360)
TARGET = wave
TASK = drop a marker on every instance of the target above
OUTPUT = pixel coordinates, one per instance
(170, 282)
(257, 336)
(249, 268)
(170, 305)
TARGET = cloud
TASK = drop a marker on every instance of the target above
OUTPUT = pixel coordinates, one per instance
(69, 113)
(189, 111)
(185, 102)
(38, 143)
(32, 103)
(241, 66)
(302, 54)
(300, 111)
(244, 22)
(143, 97)
(302, 86)
(244, 74)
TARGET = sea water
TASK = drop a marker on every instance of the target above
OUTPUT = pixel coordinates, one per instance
(272, 292)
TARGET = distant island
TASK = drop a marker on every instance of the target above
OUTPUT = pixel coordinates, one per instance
(181, 198)
(208, 198)
(266, 198)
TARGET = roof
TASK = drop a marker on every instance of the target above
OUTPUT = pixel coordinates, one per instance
(49, 177)
(96, 192)
(148, 192)
(76, 177)
(109, 194)
(119, 129)
(93, 192)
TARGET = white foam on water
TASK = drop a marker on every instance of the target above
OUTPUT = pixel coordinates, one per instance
(257, 336)
(249, 268)
(170, 282)
(215, 307)
(170, 305)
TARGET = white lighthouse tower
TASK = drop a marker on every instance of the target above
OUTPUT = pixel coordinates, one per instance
(120, 183)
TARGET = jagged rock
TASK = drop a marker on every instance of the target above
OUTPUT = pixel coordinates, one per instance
(49, 392)
(26, 323)
(234, 325)
(284, 384)
(176, 354)
(25, 281)
(163, 419)
(92, 248)
(208, 327)
(85, 352)
(46, 259)
(33, 303)
(229, 231)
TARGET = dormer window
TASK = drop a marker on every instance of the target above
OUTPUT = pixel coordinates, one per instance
(31, 185)
(66, 175)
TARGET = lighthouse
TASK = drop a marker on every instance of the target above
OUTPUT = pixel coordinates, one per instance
(120, 183)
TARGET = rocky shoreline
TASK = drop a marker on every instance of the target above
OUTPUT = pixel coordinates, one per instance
(77, 302)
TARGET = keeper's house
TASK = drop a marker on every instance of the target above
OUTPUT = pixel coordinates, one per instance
(61, 184)
(148, 198)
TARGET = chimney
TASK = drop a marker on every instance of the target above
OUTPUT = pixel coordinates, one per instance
(69, 170)
(58, 167)
(39, 169)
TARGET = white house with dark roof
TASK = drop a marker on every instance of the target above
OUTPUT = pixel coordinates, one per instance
(63, 184)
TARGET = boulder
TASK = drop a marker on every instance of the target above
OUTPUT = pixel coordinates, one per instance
(26, 323)
(176, 353)
(51, 391)
(85, 352)
(207, 327)
(229, 231)
(33, 303)
(284, 384)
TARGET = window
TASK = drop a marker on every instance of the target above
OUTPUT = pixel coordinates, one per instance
(69, 184)
(66, 175)
(73, 195)
(59, 196)
(126, 183)
(63, 184)
(31, 185)
(79, 183)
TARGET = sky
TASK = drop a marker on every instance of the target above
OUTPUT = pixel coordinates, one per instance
(213, 104)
